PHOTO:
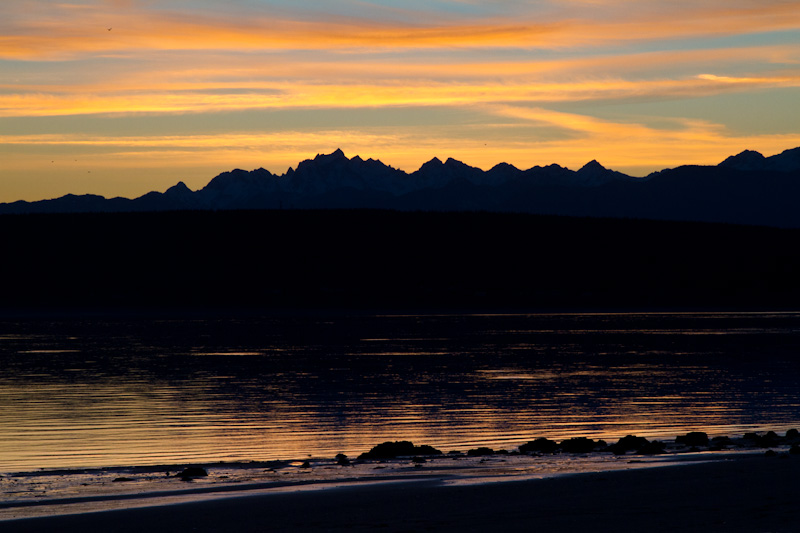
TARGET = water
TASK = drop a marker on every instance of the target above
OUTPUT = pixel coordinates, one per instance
(98, 392)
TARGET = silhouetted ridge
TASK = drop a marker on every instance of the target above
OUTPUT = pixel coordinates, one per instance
(179, 188)
(433, 164)
(746, 160)
(504, 167)
(593, 173)
(751, 161)
(788, 160)
(747, 188)
(337, 155)
(592, 166)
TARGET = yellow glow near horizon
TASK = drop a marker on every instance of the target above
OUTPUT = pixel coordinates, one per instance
(632, 147)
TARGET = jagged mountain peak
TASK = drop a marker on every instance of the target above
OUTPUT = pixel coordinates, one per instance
(592, 166)
(793, 152)
(503, 167)
(337, 162)
(178, 188)
(336, 159)
(336, 155)
(786, 161)
(747, 154)
(750, 161)
(745, 160)
(239, 174)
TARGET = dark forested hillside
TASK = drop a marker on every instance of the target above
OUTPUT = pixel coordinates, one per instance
(364, 258)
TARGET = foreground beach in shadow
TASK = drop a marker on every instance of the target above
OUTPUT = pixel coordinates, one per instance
(753, 492)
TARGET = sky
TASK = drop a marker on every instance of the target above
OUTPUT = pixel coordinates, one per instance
(121, 97)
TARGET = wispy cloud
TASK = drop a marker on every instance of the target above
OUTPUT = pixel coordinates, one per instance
(215, 97)
(74, 31)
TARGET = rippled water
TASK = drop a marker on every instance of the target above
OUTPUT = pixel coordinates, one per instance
(135, 391)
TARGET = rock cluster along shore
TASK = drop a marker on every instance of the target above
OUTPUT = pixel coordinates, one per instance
(690, 442)
(694, 441)
(391, 450)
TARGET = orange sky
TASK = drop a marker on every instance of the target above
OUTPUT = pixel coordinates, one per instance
(120, 97)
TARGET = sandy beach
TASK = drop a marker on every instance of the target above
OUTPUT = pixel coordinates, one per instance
(752, 493)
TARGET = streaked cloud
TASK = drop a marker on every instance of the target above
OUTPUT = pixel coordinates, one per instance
(76, 30)
(188, 98)
(522, 82)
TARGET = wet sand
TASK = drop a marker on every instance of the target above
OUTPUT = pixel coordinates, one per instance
(748, 494)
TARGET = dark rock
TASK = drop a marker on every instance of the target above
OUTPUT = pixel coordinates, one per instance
(751, 437)
(792, 436)
(483, 450)
(652, 448)
(795, 449)
(392, 450)
(578, 445)
(418, 460)
(306, 464)
(540, 445)
(342, 460)
(693, 438)
(192, 472)
(769, 440)
(722, 441)
(770, 453)
(123, 479)
(628, 443)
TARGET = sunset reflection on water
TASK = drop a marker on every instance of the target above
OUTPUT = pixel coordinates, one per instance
(110, 392)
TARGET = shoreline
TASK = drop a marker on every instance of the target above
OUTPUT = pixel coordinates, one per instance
(746, 493)
(62, 492)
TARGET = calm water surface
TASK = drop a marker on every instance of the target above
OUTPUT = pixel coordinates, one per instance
(112, 392)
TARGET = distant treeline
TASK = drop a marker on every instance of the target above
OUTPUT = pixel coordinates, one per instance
(388, 259)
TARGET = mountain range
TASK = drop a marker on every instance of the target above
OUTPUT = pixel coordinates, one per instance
(747, 188)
